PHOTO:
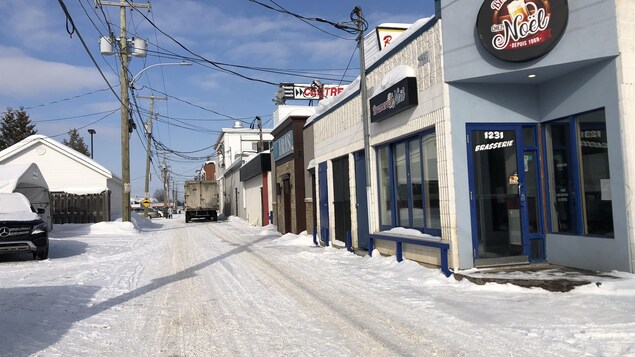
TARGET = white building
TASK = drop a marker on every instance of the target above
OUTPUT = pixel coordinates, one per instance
(66, 170)
(233, 147)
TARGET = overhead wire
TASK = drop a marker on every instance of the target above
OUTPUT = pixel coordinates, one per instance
(70, 18)
(288, 72)
(213, 63)
(306, 21)
(75, 116)
(87, 125)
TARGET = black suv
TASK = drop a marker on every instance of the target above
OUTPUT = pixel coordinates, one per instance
(21, 229)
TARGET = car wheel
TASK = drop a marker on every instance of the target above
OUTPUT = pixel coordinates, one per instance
(41, 255)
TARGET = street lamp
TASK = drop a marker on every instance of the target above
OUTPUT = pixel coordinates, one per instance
(148, 130)
(91, 132)
(134, 79)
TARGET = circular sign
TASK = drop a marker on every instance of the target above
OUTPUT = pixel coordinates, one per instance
(521, 30)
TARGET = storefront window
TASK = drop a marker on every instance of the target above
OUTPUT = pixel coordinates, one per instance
(416, 183)
(432, 204)
(578, 167)
(401, 183)
(596, 179)
(409, 183)
(385, 196)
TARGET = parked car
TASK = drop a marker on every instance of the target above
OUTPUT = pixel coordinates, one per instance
(152, 212)
(21, 229)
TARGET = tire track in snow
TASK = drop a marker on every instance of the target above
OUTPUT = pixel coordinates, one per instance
(378, 333)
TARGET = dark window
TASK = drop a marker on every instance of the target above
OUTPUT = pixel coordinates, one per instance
(408, 184)
(578, 168)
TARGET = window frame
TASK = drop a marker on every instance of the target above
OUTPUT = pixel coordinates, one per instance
(574, 171)
(390, 147)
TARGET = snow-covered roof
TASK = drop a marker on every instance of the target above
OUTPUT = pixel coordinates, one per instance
(311, 165)
(353, 87)
(59, 147)
(393, 77)
(27, 174)
(416, 26)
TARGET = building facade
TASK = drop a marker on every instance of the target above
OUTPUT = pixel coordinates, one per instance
(233, 147)
(288, 168)
(508, 142)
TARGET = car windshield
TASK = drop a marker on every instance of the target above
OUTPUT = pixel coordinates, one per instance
(10, 203)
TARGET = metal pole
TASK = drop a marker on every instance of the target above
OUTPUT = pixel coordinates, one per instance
(91, 132)
(365, 119)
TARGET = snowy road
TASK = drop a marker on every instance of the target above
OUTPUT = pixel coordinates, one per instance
(228, 289)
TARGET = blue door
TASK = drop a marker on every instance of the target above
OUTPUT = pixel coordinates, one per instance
(362, 201)
(505, 194)
(324, 203)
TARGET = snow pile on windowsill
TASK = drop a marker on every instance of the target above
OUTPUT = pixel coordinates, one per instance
(411, 233)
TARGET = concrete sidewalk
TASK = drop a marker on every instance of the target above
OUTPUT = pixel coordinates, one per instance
(545, 276)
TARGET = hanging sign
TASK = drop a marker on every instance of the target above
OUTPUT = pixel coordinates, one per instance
(521, 30)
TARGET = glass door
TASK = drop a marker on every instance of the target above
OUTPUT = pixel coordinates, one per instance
(504, 192)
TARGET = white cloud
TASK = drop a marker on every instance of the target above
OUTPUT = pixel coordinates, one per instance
(24, 76)
(34, 25)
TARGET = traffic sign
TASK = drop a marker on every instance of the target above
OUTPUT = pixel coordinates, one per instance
(145, 202)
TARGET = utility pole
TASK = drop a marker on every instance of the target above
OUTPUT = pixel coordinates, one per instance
(125, 102)
(365, 119)
(260, 146)
(166, 187)
(149, 148)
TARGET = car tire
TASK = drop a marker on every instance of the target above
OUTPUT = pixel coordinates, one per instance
(41, 255)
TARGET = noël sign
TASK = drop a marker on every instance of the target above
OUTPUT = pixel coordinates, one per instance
(521, 30)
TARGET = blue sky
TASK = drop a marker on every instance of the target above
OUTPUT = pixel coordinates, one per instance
(49, 73)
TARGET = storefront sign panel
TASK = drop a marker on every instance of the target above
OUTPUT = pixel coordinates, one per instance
(394, 100)
(386, 35)
(521, 30)
(283, 146)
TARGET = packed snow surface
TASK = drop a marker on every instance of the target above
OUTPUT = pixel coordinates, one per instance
(166, 288)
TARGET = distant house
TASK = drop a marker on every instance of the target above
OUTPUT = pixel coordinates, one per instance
(233, 147)
(82, 190)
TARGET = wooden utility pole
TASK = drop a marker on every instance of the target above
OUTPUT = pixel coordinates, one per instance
(125, 101)
(149, 148)
(365, 118)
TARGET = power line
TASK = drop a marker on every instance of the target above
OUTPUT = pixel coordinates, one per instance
(65, 99)
(288, 72)
(87, 125)
(307, 22)
(76, 116)
(349, 27)
(69, 18)
(213, 63)
(196, 105)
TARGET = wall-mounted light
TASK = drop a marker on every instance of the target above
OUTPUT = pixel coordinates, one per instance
(532, 76)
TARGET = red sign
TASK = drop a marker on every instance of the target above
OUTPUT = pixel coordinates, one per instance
(521, 30)
(308, 92)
